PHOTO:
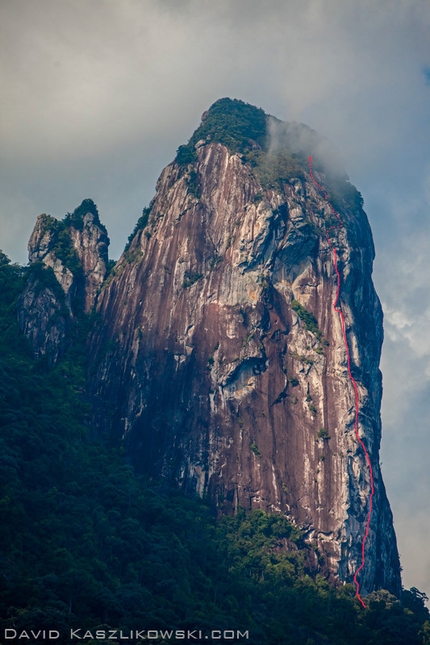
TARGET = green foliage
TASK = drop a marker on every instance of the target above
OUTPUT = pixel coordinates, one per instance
(235, 124)
(341, 190)
(302, 358)
(76, 219)
(110, 267)
(255, 449)
(264, 281)
(56, 228)
(323, 434)
(190, 278)
(308, 318)
(62, 246)
(275, 168)
(185, 155)
(12, 282)
(294, 382)
(141, 224)
(64, 250)
(248, 339)
(193, 186)
(43, 277)
(86, 542)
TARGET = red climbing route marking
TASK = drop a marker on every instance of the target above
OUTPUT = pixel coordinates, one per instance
(338, 310)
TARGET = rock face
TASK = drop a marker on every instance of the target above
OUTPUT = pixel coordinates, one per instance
(68, 261)
(44, 319)
(220, 359)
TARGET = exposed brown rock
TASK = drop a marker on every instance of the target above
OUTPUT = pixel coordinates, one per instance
(91, 245)
(75, 249)
(211, 377)
(44, 320)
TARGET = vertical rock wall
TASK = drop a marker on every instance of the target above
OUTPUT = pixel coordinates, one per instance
(220, 360)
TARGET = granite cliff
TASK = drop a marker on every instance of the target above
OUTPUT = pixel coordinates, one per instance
(68, 263)
(217, 357)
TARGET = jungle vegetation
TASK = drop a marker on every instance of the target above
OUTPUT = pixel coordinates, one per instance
(87, 543)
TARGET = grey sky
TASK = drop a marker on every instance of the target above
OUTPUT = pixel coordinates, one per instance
(96, 96)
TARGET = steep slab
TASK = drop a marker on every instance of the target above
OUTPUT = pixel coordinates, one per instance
(221, 362)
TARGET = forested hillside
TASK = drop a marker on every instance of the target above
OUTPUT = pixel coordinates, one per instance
(85, 543)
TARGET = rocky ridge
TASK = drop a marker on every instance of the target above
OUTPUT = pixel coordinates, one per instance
(218, 358)
(68, 263)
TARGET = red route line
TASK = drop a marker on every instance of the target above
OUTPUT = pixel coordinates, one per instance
(338, 310)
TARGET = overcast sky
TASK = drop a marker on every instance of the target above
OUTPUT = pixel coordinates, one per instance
(96, 96)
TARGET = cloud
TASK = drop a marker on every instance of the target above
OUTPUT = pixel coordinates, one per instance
(97, 96)
(402, 280)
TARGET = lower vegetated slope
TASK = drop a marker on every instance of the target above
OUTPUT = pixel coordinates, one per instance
(86, 543)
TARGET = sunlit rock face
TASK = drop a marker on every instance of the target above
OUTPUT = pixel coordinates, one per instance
(75, 253)
(206, 365)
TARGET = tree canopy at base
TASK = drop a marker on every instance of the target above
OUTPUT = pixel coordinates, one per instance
(86, 543)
